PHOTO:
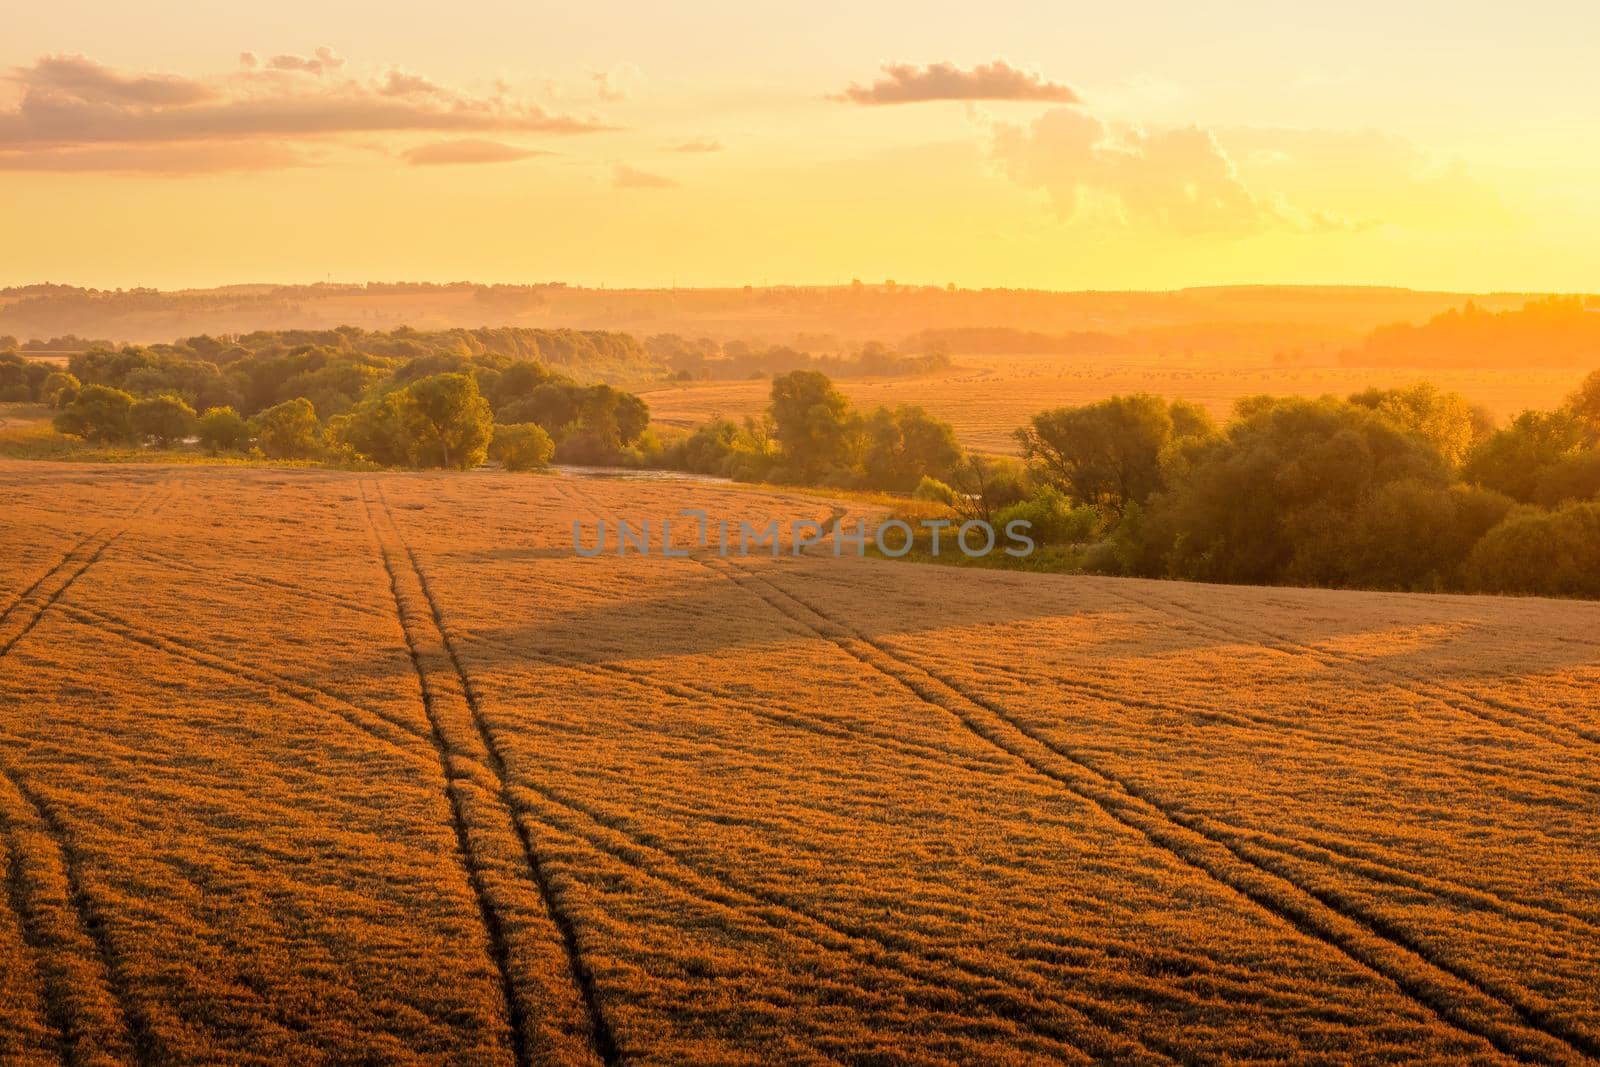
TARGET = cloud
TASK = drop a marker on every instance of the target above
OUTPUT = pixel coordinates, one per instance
(626, 177)
(77, 78)
(999, 80)
(400, 84)
(71, 103)
(467, 151)
(1176, 180)
(702, 145)
(323, 62)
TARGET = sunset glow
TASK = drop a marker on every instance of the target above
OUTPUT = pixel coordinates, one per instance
(1026, 145)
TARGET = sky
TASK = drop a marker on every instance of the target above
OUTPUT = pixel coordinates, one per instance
(1040, 145)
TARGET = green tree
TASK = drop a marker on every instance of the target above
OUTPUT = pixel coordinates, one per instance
(814, 426)
(522, 446)
(1445, 420)
(1107, 453)
(222, 430)
(449, 422)
(904, 445)
(99, 413)
(1416, 536)
(1584, 405)
(1554, 553)
(1272, 499)
(161, 420)
(59, 389)
(289, 430)
(1514, 460)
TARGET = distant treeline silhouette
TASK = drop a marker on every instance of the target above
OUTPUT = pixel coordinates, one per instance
(1555, 332)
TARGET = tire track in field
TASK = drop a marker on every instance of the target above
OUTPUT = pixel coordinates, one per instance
(225, 576)
(1314, 848)
(1448, 992)
(84, 992)
(1484, 709)
(392, 732)
(756, 895)
(83, 555)
(559, 1011)
(680, 877)
(1244, 720)
(18, 598)
(231, 668)
(64, 1005)
(1466, 895)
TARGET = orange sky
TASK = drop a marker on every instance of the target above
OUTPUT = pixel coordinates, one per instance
(1039, 144)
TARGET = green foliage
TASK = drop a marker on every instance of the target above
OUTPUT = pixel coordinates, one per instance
(521, 446)
(161, 420)
(98, 413)
(1445, 420)
(1584, 405)
(222, 430)
(1109, 453)
(19, 380)
(983, 485)
(814, 426)
(1574, 477)
(1554, 553)
(438, 421)
(59, 389)
(1515, 460)
(449, 423)
(1270, 500)
(933, 491)
(1414, 536)
(904, 445)
(1053, 519)
(289, 430)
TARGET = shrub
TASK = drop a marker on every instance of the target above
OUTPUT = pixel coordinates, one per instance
(60, 389)
(222, 430)
(161, 420)
(289, 430)
(1554, 553)
(1413, 536)
(98, 413)
(522, 446)
(934, 491)
(1052, 518)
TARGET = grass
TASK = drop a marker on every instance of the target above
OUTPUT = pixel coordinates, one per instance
(321, 765)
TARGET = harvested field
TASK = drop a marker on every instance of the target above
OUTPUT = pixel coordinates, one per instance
(328, 767)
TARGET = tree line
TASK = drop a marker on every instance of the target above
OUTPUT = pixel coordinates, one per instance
(339, 404)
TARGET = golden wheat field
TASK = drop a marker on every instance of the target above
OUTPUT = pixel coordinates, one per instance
(986, 398)
(321, 767)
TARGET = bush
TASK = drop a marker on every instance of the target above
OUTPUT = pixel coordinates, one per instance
(59, 389)
(1052, 518)
(289, 430)
(222, 430)
(1540, 553)
(1416, 537)
(1514, 460)
(99, 413)
(522, 446)
(933, 491)
(161, 420)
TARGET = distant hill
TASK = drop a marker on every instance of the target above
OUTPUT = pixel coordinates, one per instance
(814, 318)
